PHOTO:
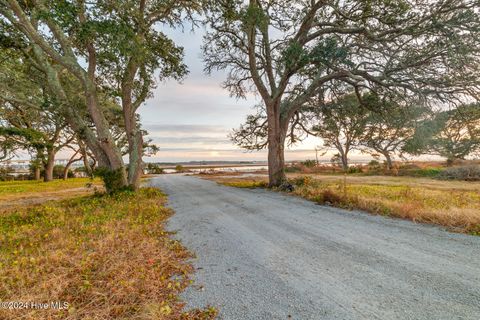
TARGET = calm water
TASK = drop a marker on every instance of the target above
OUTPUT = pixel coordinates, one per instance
(223, 169)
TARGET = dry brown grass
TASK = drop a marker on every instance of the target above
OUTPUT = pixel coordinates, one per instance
(108, 257)
(454, 204)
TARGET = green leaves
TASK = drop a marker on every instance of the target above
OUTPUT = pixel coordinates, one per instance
(325, 53)
(33, 138)
(453, 134)
(63, 13)
(295, 56)
(255, 17)
(329, 51)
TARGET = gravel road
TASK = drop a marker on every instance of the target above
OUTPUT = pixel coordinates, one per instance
(265, 255)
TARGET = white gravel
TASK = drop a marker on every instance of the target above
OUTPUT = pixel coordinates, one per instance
(264, 255)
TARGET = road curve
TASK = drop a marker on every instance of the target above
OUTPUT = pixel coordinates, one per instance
(264, 255)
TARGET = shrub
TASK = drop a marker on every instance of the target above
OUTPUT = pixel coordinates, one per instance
(58, 172)
(374, 167)
(309, 163)
(354, 169)
(179, 168)
(154, 168)
(302, 181)
(292, 169)
(330, 196)
(112, 179)
(420, 172)
(466, 173)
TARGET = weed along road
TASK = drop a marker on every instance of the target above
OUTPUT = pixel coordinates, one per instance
(265, 255)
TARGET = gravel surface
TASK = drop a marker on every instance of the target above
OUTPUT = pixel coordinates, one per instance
(265, 255)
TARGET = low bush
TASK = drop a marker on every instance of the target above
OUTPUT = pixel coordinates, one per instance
(245, 183)
(355, 169)
(292, 169)
(302, 181)
(179, 168)
(309, 163)
(420, 172)
(328, 196)
(465, 173)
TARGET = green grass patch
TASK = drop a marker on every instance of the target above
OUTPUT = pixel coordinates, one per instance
(246, 184)
(423, 172)
(15, 187)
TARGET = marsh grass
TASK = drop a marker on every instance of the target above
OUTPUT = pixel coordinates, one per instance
(250, 184)
(454, 205)
(458, 210)
(108, 256)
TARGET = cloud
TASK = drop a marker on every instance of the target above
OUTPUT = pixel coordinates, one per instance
(190, 140)
(184, 128)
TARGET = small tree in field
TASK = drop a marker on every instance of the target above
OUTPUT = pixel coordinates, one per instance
(341, 125)
(453, 134)
(390, 125)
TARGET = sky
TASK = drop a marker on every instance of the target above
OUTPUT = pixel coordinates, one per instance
(191, 120)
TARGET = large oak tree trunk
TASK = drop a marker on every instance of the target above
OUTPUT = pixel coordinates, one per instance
(277, 130)
(135, 148)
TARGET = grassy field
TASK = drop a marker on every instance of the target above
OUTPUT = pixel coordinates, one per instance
(454, 204)
(108, 257)
(28, 192)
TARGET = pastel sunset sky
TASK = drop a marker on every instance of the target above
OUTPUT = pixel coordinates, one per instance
(191, 120)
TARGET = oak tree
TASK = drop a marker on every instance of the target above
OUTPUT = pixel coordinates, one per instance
(341, 124)
(391, 123)
(287, 52)
(453, 134)
(110, 48)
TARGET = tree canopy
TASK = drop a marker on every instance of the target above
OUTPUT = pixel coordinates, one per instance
(453, 134)
(110, 49)
(288, 52)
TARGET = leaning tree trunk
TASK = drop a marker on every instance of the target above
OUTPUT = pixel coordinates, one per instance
(86, 164)
(388, 160)
(135, 146)
(114, 174)
(344, 159)
(277, 131)
(48, 176)
(135, 166)
(100, 141)
(132, 130)
(71, 161)
(66, 170)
